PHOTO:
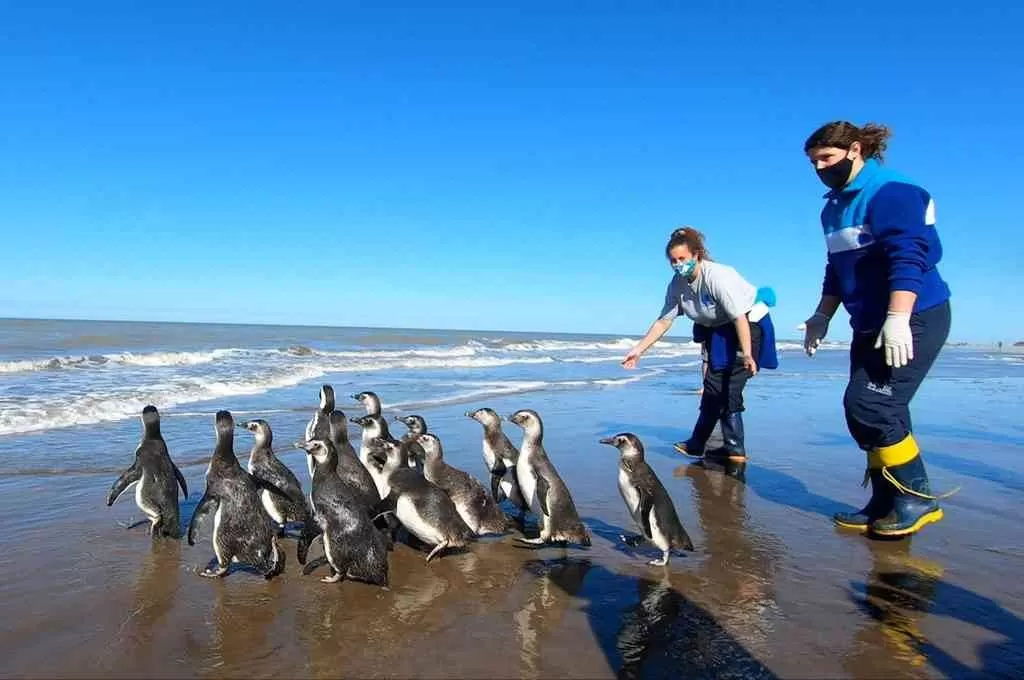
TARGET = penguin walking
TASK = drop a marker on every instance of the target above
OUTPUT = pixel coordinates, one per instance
(347, 466)
(353, 548)
(370, 402)
(156, 478)
(543, 488)
(647, 500)
(242, 529)
(476, 508)
(500, 456)
(421, 506)
(265, 466)
(318, 426)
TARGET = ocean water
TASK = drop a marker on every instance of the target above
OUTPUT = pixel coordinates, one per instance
(770, 584)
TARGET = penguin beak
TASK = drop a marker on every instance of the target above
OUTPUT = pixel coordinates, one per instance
(354, 420)
(610, 441)
(301, 445)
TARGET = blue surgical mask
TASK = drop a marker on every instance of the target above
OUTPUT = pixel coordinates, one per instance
(684, 269)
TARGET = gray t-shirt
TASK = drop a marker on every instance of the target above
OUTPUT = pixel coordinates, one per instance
(716, 297)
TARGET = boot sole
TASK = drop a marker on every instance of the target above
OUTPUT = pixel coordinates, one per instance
(855, 527)
(922, 521)
(681, 450)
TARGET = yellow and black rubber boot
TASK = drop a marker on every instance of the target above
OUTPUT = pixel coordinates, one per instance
(913, 505)
(879, 505)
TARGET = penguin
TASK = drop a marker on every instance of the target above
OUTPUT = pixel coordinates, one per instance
(318, 426)
(649, 504)
(417, 426)
(264, 465)
(500, 456)
(375, 429)
(349, 469)
(370, 402)
(242, 529)
(420, 505)
(353, 548)
(543, 488)
(156, 478)
(477, 509)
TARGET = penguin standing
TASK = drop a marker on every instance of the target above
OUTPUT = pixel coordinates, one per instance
(477, 509)
(352, 545)
(649, 504)
(347, 465)
(417, 426)
(242, 529)
(265, 466)
(156, 478)
(543, 488)
(370, 402)
(318, 426)
(500, 456)
(421, 506)
(375, 429)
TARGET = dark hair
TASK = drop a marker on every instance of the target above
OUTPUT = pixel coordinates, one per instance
(692, 239)
(841, 134)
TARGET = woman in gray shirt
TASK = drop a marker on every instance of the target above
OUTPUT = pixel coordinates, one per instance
(716, 298)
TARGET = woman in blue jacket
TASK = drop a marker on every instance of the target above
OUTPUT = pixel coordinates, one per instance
(883, 252)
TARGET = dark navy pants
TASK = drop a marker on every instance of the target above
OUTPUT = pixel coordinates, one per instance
(723, 388)
(877, 400)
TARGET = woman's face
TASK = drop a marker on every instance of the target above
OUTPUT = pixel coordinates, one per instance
(826, 156)
(679, 254)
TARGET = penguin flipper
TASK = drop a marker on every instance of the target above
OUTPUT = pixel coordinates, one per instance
(181, 479)
(542, 494)
(207, 505)
(277, 491)
(496, 486)
(646, 507)
(127, 478)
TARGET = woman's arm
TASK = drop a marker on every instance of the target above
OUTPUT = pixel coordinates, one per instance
(743, 331)
(654, 333)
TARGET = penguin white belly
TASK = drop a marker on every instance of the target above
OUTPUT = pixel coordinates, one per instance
(271, 507)
(216, 533)
(140, 499)
(327, 550)
(506, 486)
(528, 486)
(631, 498)
(410, 517)
(380, 480)
(466, 513)
(658, 537)
(490, 457)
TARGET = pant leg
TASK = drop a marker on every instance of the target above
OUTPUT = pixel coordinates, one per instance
(877, 399)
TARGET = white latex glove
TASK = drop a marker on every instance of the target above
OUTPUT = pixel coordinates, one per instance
(815, 329)
(897, 338)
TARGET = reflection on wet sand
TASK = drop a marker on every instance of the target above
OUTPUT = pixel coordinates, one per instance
(242, 636)
(545, 606)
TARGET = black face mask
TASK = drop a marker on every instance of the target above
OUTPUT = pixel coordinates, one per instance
(837, 175)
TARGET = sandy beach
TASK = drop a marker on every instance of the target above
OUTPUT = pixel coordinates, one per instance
(771, 590)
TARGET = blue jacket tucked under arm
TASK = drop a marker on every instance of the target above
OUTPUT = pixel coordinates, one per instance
(880, 233)
(722, 343)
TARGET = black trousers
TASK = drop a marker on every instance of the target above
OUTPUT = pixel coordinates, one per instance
(723, 389)
(877, 400)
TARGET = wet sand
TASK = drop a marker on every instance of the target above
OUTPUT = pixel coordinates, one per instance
(772, 590)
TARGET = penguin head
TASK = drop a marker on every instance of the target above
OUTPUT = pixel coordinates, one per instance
(261, 429)
(224, 423)
(529, 420)
(326, 398)
(416, 424)
(369, 400)
(389, 455)
(151, 420)
(431, 446)
(627, 443)
(485, 416)
(373, 425)
(339, 426)
(319, 450)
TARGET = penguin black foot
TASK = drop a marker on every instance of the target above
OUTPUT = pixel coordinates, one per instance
(128, 526)
(335, 577)
(533, 541)
(632, 540)
(660, 563)
(438, 548)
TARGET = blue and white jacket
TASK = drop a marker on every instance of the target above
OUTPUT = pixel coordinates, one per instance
(880, 233)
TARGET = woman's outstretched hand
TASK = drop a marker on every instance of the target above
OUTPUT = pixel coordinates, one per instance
(750, 365)
(632, 358)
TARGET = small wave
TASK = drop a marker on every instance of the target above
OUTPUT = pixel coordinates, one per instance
(151, 359)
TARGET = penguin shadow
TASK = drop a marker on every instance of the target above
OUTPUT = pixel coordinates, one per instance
(240, 628)
(902, 589)
(645, 626)
(613, 534)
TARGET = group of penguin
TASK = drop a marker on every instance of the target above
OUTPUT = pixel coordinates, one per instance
(362, 501)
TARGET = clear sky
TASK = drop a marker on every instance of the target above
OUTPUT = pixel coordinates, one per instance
(514, 169)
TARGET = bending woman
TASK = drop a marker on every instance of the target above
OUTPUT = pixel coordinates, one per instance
(719, 301)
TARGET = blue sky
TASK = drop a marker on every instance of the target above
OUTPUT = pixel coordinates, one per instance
(515, 168)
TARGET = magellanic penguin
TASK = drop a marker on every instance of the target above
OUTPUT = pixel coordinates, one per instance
(242, 529)
(417, 426)
(319, 425)
(543, 488)
(477, 509)
(264, 465)
(352, 545)
(420, 505)
(375, 429)
(648, 502)
(349, 469)
(500, 456)
(370, 402)
(156, 478)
